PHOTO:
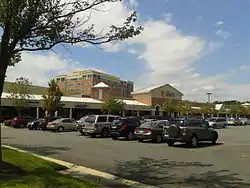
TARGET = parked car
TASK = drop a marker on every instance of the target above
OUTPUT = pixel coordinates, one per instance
(124, 127)
(62, 124)
(81, 121)
(189, 131)
(97, 125)
(234, 121)
(38, 124)
(151, 130)
(217, 122)
(245, 121)
(21, 121)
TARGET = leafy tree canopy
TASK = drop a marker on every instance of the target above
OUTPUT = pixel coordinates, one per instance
(52, 101)
(169, 106)
(113, 106)
(20, 93)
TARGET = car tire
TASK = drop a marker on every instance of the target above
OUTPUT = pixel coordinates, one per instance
(140, 140)
(114, 137)
(214, 139)
(105, 133)
(158, 139)
(130, 136)
(170, 143)
(193, 141)
(60, 129)
(21, 126)
(81, 133)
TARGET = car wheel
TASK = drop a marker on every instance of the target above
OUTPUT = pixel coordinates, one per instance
(130, 136)
(140, 140)
(21, 126)
(174, 131)
(193, 141)
(158, 138)
(81, 133)
(105, 133)
(214, 139)
(60, 129)
(170, 143)
(114, 137)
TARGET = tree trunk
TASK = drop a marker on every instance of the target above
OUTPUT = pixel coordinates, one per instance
(4, 60)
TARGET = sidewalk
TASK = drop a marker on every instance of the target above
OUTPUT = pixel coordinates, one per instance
(88, 174)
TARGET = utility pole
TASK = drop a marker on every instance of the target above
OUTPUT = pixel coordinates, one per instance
(209, 96)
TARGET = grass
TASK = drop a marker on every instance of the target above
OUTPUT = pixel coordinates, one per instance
(21, 170)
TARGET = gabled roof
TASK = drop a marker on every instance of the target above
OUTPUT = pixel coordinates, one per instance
(132, 102)
(153, 87)
(101, 85)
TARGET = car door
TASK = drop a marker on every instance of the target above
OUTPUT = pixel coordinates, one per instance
(66, 123)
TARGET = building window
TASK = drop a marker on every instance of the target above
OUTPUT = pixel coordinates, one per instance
(73, 79)
(90, 76)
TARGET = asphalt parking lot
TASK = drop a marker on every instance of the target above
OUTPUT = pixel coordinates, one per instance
(224, 165)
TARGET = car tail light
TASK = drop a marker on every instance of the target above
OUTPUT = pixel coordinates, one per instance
(147, 130)
(53, 123)
(123, 127)
(136, 129)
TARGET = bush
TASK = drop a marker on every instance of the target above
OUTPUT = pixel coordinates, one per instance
(7, 122)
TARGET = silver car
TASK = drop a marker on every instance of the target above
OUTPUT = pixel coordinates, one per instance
(217, 122)
(97, 125)
(62, 124)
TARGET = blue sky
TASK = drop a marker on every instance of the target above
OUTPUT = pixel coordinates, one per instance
(198, 46)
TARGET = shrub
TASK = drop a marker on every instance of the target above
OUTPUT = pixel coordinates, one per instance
(7, 122)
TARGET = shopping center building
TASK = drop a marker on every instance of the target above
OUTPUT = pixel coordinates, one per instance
(146, 101)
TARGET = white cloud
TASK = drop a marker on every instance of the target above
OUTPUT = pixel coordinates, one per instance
(168, 17)
(219, 23)
(42, 67)
(169, 56)
(222, 33)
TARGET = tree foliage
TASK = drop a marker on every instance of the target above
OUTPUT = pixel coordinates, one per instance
(169, 106)
(31, 25)
(20, 93)
(237, 109)
(113, 106)
(52, 101)
(184, 107)
(207, 109)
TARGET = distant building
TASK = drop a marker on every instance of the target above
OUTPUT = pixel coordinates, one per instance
(81, 82)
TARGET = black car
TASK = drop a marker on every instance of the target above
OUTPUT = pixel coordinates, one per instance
(151, 130)
(40, 123)
(124, 127)
(189, 130)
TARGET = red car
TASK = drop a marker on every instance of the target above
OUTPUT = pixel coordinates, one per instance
(21, 121)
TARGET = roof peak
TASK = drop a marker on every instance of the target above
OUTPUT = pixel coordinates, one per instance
(101, 85)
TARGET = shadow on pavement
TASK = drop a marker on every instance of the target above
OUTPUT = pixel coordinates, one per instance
(6, 137)
(167, 173)
(200, 145)
(41, 150)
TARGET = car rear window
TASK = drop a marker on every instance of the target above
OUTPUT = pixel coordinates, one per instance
(90, 119)
(149, 124)
(118, 122)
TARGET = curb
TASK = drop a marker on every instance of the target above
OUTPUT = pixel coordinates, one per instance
(84, 171)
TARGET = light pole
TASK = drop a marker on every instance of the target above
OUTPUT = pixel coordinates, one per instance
(209, 96)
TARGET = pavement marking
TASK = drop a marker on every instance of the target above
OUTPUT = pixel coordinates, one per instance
(81, 170)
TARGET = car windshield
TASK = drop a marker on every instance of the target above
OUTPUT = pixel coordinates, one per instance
(90, 119)
(230, 119)
(149, 124)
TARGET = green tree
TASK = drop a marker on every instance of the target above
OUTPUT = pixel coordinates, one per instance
(237, 109)
(35, 25)
(184, 107)
(113, 106)
(20, 94)
(207, 109)
(169, 106)
(52, 101)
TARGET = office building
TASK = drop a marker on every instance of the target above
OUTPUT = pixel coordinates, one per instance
(81, 82)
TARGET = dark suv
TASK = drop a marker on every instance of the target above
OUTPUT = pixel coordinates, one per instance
(124, 127)
(189, 131)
